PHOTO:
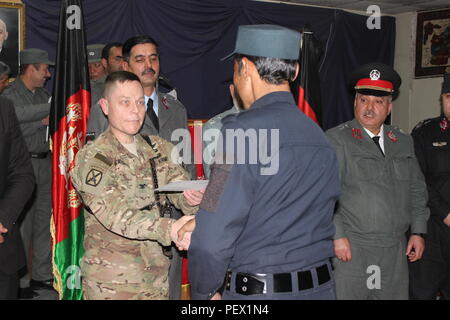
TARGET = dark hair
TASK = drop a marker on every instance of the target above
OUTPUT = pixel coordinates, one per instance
(24, 67)
(118, 76)
(107, 47)
(130, 43)
(4, 69)
(271, 70)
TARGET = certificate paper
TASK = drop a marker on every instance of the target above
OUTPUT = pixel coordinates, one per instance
(184, 185)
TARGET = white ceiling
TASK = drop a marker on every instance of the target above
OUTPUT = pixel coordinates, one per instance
(386, 6)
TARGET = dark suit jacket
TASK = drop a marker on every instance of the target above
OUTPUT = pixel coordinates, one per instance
(172, 115)
(16, 186)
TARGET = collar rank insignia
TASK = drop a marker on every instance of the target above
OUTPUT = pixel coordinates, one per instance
(392, 136)
(356, 133)
(164, 101)
(439, 144)
(444, 124)
(94, 177)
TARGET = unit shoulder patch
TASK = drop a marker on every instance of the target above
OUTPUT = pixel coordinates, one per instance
(94, 177)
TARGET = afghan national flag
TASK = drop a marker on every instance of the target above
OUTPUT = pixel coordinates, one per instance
(195, 129)
(69, 111)
(306, 88)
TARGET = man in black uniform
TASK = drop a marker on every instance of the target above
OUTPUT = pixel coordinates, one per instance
(16, 186)
(432, 146)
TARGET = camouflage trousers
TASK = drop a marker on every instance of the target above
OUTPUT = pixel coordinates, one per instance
(93, 290)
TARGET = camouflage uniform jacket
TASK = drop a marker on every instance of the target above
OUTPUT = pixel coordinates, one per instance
(123, 229)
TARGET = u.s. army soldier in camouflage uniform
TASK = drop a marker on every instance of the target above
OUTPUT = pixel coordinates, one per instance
(124, 230)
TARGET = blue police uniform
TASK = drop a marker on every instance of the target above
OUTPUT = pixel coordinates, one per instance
(272, 232)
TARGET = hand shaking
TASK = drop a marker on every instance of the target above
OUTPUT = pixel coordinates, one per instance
(181, 232)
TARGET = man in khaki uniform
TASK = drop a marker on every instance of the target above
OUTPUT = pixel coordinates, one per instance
(383, 194)
(97, 72)
(125, 223)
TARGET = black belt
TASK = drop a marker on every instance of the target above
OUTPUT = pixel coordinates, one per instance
(38, 155)
(256, 283)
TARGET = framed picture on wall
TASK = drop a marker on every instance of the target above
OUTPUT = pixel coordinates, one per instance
(12, 34)
(432, 43)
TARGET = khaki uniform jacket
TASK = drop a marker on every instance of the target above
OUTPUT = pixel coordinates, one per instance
(381, 196)
(124, 231)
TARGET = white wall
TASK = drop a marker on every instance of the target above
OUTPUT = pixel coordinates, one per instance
(419, 98)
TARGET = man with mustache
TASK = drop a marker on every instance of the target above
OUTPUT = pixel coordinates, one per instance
(383, 194)
(141, 57)
(97, 73)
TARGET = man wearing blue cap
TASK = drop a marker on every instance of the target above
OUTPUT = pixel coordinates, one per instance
(383, 194)
(431, 137)
(267, 232)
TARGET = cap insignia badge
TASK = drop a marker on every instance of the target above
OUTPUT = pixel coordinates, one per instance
(375, 74)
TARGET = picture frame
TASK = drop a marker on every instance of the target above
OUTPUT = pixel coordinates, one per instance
(12, 39)
(432, 43)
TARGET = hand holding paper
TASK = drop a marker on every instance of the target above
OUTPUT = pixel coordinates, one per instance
(193, 197)
(184, 185)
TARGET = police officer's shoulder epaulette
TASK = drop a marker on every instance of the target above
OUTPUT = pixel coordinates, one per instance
(343, 126)
(232, 118)
(396, 129)
(424, 123)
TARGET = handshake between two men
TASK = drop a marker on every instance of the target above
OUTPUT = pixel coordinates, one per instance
(182, 229)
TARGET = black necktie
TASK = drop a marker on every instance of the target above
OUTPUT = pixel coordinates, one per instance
(152, 115)
(376, 139)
